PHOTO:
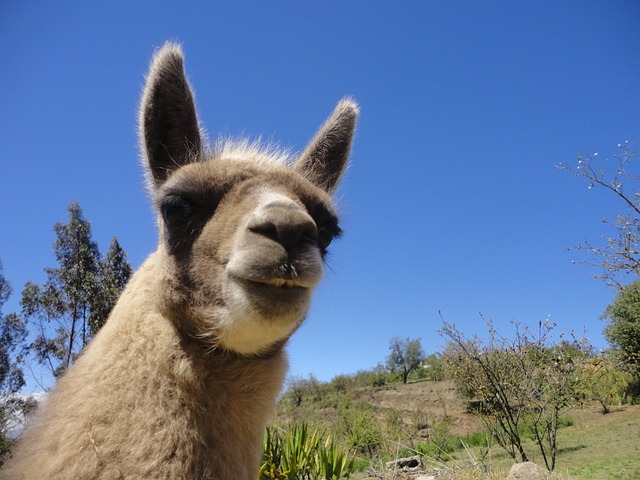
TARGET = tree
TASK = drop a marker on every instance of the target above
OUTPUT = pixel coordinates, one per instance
(434, 367)
(297, 386)
(524, 383)
(66, 296)
(608, 383)
(114, 272)
(620, 256)
(406, 355)
(623, 327)
(12, 336)
(75, 300)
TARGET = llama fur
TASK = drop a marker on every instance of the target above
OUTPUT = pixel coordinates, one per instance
(182, 379)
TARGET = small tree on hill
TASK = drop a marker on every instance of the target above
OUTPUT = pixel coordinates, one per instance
(608, 383)
(434, 367)
(522, 383)
(406, 355)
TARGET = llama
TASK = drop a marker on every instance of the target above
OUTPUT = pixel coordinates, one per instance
(183, 377)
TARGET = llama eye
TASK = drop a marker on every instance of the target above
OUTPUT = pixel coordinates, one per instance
(326, 234)
(327, 224)
(175, 210)
(324, 238)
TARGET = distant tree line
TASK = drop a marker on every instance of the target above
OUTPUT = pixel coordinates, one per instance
(60, 316)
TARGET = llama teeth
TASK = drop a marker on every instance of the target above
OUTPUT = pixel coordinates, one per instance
(282, 283)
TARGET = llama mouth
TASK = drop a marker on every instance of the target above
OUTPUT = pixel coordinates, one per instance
(271, 286)
(275, 285)
(270, 282)
(274, 295)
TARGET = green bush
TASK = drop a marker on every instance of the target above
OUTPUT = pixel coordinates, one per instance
(394, 428)
(361, 431)
(475, 439)
(340, 383)
(377, 377)
(360, 464)
(441, 443)
(433, 367)
(566, 422)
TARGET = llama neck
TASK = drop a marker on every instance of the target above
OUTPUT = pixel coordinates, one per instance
(146, 400)
(237, 400)
(223, 399)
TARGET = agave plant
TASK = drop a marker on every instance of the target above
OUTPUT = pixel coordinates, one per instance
(272, 456)
(300, 454)
(332, 462)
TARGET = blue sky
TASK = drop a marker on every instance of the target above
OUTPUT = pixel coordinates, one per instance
(452, 201)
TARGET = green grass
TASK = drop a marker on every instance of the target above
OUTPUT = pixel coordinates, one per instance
(475, 439)
(590, 448)
(611, 451)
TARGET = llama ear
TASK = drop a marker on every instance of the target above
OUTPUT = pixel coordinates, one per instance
(168, 129)
(325, 159)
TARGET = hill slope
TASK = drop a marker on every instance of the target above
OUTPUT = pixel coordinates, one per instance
(403, 417)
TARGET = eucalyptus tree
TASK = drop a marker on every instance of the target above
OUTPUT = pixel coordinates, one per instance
(75, 300)
(114, 272)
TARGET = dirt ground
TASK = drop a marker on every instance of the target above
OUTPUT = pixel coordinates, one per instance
(434, 400)
(437, 399)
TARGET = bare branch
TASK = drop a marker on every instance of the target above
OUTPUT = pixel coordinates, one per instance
(620, 255)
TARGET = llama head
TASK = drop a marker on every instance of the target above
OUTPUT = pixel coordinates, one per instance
(243, 230)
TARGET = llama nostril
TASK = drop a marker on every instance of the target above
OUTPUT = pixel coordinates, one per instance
(287, 230)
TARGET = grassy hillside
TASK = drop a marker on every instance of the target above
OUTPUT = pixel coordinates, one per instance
(430, 418)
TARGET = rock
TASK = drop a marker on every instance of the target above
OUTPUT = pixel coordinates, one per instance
(527, 471)
(406, 465)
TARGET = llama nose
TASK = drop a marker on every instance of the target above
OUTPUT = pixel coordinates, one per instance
(286, 225)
